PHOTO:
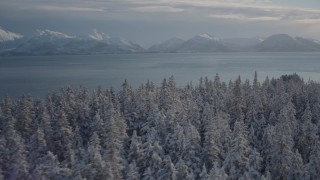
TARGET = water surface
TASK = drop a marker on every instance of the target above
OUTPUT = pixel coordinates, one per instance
(38, 75)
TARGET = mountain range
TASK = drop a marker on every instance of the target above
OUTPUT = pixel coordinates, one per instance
(209, 43)
(48, 42)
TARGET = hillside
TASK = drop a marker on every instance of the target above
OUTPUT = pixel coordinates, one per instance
(286, 43)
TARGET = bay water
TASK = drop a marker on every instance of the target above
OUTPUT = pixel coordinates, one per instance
(38, 75)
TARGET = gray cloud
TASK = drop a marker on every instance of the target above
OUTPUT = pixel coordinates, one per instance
(156, 9)
(237, 10)
(242, 10)
(138, 19)
(70, 8)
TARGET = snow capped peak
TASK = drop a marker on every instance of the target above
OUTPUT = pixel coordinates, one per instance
(8, 36)
(56, 34)
(205, 37)
(99, 36)
(209, 36)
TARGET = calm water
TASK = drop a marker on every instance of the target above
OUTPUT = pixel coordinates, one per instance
(38, 75)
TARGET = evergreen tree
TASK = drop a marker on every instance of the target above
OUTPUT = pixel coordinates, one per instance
(133, 172)
(255, 164)
(50, 169)
(191, 148)
(96, 164)
(237, 159)
(44, 123)
(204, 173)
(115, 136)
(174, 142)
(216, 138)
(281, 155)
(183, 170)
(217, 173)
(126, 97)
(313, 167)
(62, 138)
(135, 153)
(167, 169)
(25, 117)
(14, 156)
(38, 148)
(267, 130)
(307, 136)
(237, 103)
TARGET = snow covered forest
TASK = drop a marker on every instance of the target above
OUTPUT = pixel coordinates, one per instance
(213, 130)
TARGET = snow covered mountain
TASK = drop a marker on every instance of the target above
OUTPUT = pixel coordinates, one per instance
(242, 44)
(167, 46)
(118, 44)
(286, 43)
(206, 37)
(312, 43)
(8, 36)
(51, 35)
(203, 43)
(209, 43)
(48, 42)
(99, 36)
(199, 43)
(9, 40)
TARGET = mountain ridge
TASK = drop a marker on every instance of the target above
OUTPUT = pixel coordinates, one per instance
(49, 42)
(286, 43)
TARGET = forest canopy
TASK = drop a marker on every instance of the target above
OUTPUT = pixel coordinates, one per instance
(212, 130)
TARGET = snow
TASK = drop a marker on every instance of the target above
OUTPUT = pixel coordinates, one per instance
(209, 131)
(210, 37)
(8, 36)
(99, 36)
(56, 34)
(123, 41)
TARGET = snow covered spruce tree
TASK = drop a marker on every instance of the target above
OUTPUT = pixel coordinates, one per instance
(212, 130)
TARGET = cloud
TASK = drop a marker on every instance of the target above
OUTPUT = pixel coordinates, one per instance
(241, 17)
(186, 10)
(203, 3)
(227, 16)
(62, 8)
(171, 10)
(264, 18)
(153, 9)
(308, 21)
(243, 10)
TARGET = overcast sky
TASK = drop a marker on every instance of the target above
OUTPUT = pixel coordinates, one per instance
(150, 21)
